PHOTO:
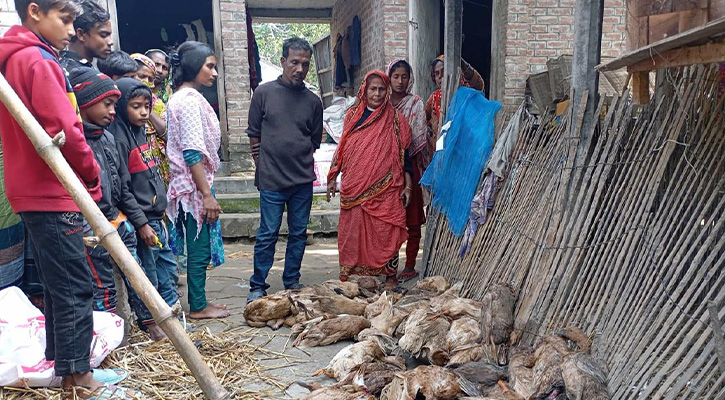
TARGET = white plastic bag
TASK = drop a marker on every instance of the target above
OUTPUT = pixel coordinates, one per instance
(323, 161)
(22, 341)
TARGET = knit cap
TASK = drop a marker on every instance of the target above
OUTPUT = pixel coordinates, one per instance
(91, 86)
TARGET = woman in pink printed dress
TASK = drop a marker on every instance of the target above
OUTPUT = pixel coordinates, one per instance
(193, 143)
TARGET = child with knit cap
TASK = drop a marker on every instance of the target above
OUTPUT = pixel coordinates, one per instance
(97, 95)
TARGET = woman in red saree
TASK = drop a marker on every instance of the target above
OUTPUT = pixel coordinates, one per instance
(376, 183)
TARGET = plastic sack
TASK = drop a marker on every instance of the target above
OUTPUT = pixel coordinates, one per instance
(333, 117)
(323, 160)
(22, 341)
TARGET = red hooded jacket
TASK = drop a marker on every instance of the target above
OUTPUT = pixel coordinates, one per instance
(31, 67)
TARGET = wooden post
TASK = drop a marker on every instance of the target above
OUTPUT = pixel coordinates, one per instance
(110, 239)
(221, 81)
(638, 36)
(453, 42)
(111, 7)
(719, 337)
(587, 54)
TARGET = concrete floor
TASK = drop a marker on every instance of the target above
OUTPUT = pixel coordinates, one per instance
(229, 284)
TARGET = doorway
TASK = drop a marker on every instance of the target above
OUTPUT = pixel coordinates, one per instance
(477, 36)
(165, 25)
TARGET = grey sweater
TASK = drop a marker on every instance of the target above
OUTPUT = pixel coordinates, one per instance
(288, 121)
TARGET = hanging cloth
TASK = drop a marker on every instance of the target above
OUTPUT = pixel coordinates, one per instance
(455, 171)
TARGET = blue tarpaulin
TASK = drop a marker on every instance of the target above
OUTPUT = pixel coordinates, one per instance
(455, 171)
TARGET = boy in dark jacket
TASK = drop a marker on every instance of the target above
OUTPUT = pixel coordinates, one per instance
(97, 96)
(53, 221)
(147, 186)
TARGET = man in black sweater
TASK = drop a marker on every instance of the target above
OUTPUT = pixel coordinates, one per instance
(285, 129)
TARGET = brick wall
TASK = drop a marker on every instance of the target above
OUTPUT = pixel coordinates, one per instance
(8, 16)
(236, 74)
(541, 29)
(384, 31)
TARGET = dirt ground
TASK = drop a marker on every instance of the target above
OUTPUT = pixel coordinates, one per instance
(229, 284)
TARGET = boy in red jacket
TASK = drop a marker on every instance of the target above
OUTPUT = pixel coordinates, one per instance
(29, 61)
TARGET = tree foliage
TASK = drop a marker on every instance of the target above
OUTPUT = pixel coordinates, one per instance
(270, 37)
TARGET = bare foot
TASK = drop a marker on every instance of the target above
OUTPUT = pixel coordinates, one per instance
(219, 306)
(156, 333)
(210, 312)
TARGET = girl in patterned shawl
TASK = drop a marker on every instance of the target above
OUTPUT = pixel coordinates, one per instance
(194, 139)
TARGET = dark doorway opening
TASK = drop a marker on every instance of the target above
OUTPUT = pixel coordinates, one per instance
(165, 24)
(477, 23)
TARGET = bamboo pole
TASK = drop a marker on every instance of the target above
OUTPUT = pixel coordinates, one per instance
(49, 150)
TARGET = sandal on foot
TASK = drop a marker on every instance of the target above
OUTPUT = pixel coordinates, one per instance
(407, 275)
(109, 376)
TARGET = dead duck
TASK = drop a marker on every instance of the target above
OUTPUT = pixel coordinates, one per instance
(368, 286)
(425, 337)
(372, 377)
(497, 317)
(334, 392)
(389, 319)
(268, 311)
(465, 354)
(460, 307)
(463, 332)
(437, 284)
(347, 289)
(386, 342)
(548, 379)
(433, 383)
(453, 292)
(350, 357)
(374, 309)
(584, 377)
(336, 304)
(521, 375)
(476, 378)
(331, 330)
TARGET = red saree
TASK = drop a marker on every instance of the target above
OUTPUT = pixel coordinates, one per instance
(371, 159)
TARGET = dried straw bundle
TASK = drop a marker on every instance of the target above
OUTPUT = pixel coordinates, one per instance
(158, 371)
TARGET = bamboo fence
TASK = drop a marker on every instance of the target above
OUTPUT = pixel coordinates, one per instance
(618, 231)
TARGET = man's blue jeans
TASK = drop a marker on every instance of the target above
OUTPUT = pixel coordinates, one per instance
(159, 264)
(298, 200)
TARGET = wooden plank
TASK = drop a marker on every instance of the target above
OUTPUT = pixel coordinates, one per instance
(717, 9)
(716, 326)
(221, 81)
(640, 88)
(645, 8)
(682, 39)
(712, 52)
(111, 7)
(665, 25)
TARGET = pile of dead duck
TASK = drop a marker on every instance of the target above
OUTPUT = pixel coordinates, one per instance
(462, 348)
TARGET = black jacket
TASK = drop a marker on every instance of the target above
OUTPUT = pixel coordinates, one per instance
(115, 179)
(147, 185)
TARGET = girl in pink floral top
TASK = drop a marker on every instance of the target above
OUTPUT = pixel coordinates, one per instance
(193, 141)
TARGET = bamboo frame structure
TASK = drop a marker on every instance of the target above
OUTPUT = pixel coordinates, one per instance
(49, 150)
(620, 231)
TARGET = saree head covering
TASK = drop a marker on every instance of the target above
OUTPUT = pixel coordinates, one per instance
(145, 61)
(371, 159)
(413, 110)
